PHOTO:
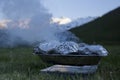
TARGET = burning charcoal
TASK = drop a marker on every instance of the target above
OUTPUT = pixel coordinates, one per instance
(83, 49)
(87, 51)
(70, 48)
(47, 46)
(100, 50)
(81, 53)
(67, 47)
(82, 44)
(93, 49)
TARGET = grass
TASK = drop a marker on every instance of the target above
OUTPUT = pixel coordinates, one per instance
(20, 64)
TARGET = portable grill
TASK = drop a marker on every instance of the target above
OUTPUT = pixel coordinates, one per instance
(74, 60)
(84, 64)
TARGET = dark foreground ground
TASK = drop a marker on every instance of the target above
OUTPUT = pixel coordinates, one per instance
(20, 64)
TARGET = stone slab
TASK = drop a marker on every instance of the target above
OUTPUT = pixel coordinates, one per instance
(71, 69)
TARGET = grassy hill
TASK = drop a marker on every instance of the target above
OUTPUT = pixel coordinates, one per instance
(105, 29)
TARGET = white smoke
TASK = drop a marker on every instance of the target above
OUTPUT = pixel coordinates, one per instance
(30, 21)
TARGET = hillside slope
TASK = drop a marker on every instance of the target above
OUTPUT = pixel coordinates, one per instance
(105, 29)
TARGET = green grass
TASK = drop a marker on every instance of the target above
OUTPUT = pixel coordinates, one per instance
(20, 64)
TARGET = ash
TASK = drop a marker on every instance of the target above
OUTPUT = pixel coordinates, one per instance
(70, 48)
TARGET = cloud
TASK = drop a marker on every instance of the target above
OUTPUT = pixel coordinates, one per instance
(4, 23)
(62, 20)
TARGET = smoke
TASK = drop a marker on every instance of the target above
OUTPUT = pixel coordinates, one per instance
(29, 22)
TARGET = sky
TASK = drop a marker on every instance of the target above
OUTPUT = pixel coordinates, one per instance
(79, 8)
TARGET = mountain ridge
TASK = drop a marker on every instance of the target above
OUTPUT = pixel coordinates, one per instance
(71, 24)
(104, 29)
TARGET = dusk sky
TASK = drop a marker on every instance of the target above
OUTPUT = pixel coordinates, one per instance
(79, 8)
